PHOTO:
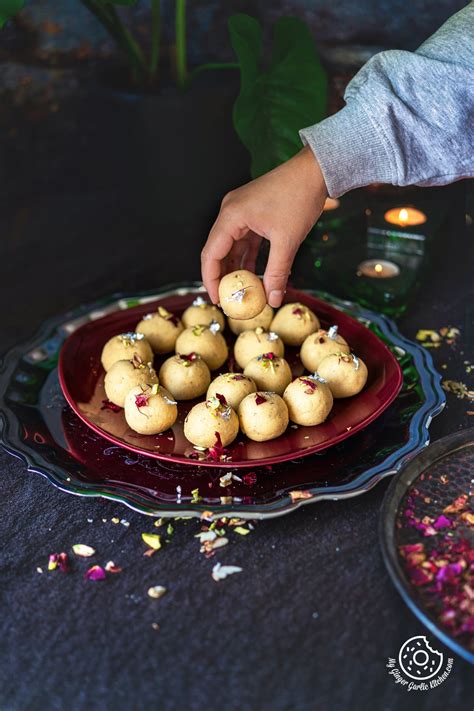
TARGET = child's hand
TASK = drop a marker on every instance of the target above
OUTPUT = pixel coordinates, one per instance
(281, 206)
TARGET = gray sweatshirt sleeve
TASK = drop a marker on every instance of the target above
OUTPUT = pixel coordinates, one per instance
(409, 116)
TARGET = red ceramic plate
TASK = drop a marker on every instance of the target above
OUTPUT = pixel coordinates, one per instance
(82, 381)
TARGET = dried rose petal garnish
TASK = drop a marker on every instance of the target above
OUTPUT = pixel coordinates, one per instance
(260, 399)
(218, 406)
(267, 360)
(311, 385)
(249, 479)
(189, 358)
(458, 504)
(141, 400)
(217, 453)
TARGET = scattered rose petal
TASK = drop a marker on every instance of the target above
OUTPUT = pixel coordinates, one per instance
(242, 531)
(110, 567)
(442, 522)
(59, 560)
(260, 399)
(457, 505)
(418, 576)
(95, 573)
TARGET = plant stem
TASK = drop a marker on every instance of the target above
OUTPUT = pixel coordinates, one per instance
(101, 13)
(109, 18)
(209, 66)
(155, 37)
(180, 33)
(129, 44)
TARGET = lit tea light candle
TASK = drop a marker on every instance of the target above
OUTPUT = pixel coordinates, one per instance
(378, 269)
(405, 216)
(331, 204)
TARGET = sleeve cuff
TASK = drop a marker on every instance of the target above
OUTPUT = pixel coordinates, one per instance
(350, 150)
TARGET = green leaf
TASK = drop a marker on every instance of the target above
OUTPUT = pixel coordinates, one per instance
(8, 8)
(276, 101)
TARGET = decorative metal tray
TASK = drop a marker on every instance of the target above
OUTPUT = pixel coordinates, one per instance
(38, 426)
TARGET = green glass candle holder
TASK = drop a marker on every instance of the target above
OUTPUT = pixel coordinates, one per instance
(366, 259)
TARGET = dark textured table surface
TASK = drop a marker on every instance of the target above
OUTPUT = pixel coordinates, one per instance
(313, 617)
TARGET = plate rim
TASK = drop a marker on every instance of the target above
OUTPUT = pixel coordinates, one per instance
(435, 400)
(238, 464)
(390, 505)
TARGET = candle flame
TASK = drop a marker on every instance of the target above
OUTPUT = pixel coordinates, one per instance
(378, 268)
(403, 215)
